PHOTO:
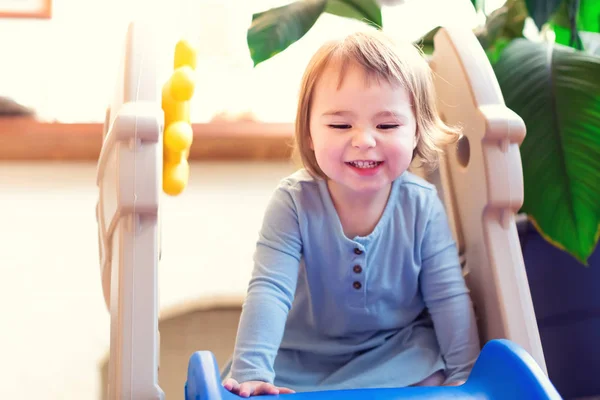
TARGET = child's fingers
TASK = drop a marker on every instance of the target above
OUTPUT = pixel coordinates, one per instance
(254, 388)
(265, 388)
(247, 389)
(231, 384)
(284, 390)
(458, 383)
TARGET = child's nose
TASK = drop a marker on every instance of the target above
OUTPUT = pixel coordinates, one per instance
(363, 139)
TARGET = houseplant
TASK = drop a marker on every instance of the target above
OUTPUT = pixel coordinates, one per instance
(552, 80)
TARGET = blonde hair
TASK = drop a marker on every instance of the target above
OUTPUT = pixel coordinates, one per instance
(397, 64)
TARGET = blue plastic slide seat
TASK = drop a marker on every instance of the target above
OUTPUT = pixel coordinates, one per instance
(503, 371)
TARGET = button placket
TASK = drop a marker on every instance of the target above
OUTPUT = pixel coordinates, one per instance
(357, 277)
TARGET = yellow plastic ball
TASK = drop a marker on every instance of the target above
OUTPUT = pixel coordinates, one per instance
(174, 110)
(178, 136)
(172, 157)
(183, 83)
(185, 54)
(175, 177)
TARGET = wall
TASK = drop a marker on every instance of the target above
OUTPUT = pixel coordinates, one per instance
(65, 67)
(55, 325)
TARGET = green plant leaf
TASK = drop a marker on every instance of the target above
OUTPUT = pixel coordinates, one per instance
(426, 41)
(585, 19)
(567, 37)
(541, 10)
(493, 52)
(557, 93)
(515, 21)
(274, 30)
(564, 24)
(501, 27)
(588, 15)
(367, 11)
(493, 28)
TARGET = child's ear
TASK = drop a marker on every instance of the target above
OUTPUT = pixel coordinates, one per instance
(310, 142)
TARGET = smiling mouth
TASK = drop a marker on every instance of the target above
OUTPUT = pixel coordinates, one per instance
(364, 164)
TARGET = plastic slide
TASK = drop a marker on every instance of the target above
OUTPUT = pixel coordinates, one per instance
(503, 371)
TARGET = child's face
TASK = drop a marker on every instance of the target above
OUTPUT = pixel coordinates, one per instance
(363, 134)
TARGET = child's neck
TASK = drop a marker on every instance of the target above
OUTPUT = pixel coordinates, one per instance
(359, 213)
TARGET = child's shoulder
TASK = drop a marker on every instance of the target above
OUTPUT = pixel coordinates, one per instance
(416, 193)
(300, 180)
(409, 181)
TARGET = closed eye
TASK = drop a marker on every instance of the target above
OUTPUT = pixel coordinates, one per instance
(387, 126)
(340, 126)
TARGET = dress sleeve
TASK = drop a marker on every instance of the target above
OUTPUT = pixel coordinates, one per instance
(447, 297)
(270, 291)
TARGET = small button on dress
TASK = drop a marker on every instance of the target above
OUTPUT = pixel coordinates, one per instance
(357, 269)
(358, 251)
(357, 285)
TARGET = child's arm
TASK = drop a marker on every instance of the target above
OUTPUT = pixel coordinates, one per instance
(447, 297)
(270, 292)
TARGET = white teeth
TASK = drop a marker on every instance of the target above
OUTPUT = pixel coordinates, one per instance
(364, 164)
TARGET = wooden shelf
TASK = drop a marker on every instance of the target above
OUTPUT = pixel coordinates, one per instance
(26, 139)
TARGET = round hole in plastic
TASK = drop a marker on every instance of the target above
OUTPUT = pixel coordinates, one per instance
(463, 151)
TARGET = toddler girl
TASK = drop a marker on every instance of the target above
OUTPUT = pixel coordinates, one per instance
(356, 279)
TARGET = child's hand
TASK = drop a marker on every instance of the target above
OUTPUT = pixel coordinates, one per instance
(254, 388)
(459, 383)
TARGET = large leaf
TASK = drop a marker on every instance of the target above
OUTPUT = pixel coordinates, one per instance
(274, 30)
(515, 21)
(570, 21)
(587, 17)
(478, 5)
(564, 24)
(516, 14)
(367, 11)
(541, 10)
(556, 90)
(502, 26)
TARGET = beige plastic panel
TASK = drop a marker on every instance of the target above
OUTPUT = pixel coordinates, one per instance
(483, 188)
(129, 179)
